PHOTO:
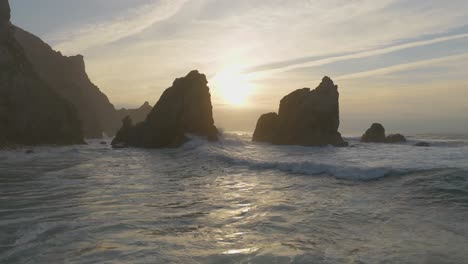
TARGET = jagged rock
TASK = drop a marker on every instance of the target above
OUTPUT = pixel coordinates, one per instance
(375, 134)
(30, 111)
(395, 138)
(305, 117)
(183, 108)
(422, 144)
(137, 115)
(266, 128)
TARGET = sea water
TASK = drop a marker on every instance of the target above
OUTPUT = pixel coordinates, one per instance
(235, 201)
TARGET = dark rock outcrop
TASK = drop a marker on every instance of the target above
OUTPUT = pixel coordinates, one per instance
(306, 117)
(376, 134)
(30, 111)
(184, 108)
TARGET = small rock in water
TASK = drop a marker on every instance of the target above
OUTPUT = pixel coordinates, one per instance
(29, 151)
(395, 138)
(103, 143)
(422, 144)
(375, 134)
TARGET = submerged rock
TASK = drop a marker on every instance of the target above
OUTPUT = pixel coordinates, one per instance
(376, 134)
(306, 117)
(30, 111)
(184, 108)
(422, 144)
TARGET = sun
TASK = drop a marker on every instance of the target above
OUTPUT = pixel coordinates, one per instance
(232, 86)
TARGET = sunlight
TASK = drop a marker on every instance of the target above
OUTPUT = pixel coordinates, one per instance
(232, 86)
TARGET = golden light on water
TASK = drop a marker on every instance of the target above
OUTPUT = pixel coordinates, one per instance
(232, 86)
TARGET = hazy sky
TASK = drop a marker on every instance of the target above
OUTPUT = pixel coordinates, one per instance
(399, 62)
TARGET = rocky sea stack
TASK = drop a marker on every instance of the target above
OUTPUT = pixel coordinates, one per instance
(31, 112)
(376, 134)
(184, 108)
(306, 117)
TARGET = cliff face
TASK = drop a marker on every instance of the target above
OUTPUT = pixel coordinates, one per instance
(30, 111)
(68, 77)
(306, 117)
(183, 108)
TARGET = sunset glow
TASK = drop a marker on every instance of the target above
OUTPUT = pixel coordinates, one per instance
(232, 87)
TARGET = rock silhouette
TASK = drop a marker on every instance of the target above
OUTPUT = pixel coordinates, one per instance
(30, 111)
(306, 117)
(184, 108)
(376, 134)
(137, 115)
(68, 77)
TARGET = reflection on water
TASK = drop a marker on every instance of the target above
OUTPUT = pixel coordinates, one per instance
(241, 251)
(91, 204)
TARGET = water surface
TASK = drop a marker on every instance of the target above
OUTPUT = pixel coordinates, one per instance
(236, 202)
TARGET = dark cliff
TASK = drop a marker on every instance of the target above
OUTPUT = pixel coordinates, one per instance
(30, 111)
(68, 77)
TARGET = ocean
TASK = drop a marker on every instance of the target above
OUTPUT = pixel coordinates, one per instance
(235, 201)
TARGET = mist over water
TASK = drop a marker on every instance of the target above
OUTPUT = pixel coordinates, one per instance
(236, 202)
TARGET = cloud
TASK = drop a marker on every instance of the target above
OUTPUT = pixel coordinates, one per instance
(403, 67)
(300, 63)
(133, 22)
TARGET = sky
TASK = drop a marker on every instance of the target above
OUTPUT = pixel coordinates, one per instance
(398, 62)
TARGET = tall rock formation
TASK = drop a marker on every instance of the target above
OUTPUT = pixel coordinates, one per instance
(184, 108)
(306, 117)
(30, 111)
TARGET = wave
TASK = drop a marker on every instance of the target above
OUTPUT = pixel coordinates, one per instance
(363, 163)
